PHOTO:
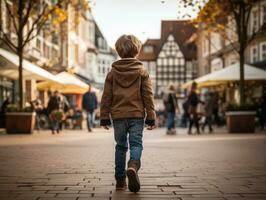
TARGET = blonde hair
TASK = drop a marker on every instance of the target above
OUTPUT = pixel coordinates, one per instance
(128, 46)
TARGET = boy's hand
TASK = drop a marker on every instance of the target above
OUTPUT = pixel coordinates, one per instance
(106, 127)
(150, 127)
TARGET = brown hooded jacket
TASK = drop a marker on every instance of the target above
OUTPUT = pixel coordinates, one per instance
(127, 93)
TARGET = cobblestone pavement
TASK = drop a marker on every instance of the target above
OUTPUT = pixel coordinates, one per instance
(78, 166)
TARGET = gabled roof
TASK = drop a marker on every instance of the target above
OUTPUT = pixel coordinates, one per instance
(182, 30)
(149, 56)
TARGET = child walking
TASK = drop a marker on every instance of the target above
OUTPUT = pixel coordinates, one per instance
(128, 100)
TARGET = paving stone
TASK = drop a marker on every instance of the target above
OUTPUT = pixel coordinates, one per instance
(79, 166)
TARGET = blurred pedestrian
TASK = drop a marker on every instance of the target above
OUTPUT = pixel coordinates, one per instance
(64, 106)
(128, 99)
(38, 108)
(262, 117)
(89, 104)
(193, 101)
(171, 106)
(185, 115)
(3, 112)
(56, 112)
(208, 111)
(216, 108)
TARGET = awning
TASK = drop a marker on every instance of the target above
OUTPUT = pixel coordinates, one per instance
(9, 68)
(71, 84)
(229, 74)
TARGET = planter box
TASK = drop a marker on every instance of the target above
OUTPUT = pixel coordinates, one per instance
(240, 121)
(20, 122)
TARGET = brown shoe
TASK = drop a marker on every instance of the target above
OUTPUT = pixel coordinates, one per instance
(132, 175)
(121, 183)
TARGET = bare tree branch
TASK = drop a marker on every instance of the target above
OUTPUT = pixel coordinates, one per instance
(12, 16)
(26, 17)
(36, 24)
(6, 40)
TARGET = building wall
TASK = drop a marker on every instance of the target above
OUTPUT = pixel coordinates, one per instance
(172, 67)
(215, 51)
(151, 68)
(43, 51)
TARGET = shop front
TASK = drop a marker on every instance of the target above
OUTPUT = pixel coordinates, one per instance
(6, 89)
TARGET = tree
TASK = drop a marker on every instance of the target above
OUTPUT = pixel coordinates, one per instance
(27, 18)
(215, 16)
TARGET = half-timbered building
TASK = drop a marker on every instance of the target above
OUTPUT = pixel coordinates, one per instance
(172, 58)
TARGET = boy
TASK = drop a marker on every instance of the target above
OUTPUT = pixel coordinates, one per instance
(127, 99)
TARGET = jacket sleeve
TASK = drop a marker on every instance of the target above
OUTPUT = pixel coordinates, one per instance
(106, 101)
(148, 100)
(84, 102)
(95, 101)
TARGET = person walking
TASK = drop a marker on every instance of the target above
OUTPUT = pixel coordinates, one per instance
(208, 111)
(89, 104)
(193, 101)
(171, 105)
(185, 115)
(64, 107)
(38, 108)
(128, 99)
(55, 111)
(216, 99)
(262, 116)
(3, 112)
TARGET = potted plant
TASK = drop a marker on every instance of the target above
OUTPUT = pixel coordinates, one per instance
(20, 120)
(241, 118)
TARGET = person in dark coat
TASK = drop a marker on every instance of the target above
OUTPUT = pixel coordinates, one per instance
(208, 111)
(170, 102)
(262, 117)
(185, 115)
(54, 105)
(193, 101)
(3, 112)
(89, 104)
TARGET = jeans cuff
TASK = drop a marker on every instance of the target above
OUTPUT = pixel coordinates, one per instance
(150, 122)
(105, 122)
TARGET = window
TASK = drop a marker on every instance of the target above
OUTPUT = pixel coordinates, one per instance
(38, 44)
(264, 15)
(255, 21)
(254, 54)
(164, 61)
(205, 46)
(182, 61)
(171, 61)
(159, 61)
(148, 49)
(263, 51)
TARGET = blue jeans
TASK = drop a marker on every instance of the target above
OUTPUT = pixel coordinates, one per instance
(170, 120)
(54, 125)
(127, 131)
(90, 119)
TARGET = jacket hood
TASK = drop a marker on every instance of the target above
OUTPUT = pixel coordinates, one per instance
(126, 71)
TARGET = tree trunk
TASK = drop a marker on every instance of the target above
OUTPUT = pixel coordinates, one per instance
(20, 49)
(20, 78)
(242, 76)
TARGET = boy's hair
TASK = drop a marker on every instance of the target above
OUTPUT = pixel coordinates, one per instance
(128, 46)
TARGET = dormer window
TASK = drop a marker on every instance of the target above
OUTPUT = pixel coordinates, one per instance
(148, 49)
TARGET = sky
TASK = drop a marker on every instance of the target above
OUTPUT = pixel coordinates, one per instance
(141, 18)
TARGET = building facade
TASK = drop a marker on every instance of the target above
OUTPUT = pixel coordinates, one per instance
(89, 53)
(216, 51)
(172, 58)
(43, 50)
